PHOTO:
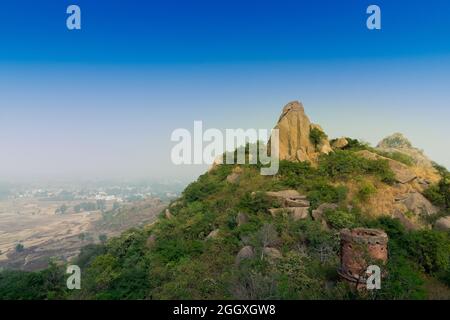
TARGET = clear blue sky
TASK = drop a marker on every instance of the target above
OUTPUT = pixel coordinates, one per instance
(104, 100)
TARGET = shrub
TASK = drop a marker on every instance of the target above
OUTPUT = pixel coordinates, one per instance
(433, 193)
(339, 219)
(430, 249)
(346, 164)
(316, 136)
(103, 271)
(46, 284)
(439, 194)
(254, 203)
(19, 247)
(356, 145)
(381, 169)
(366, 190)
(398, 156)
(294, 280)
(403, 281)
(88, 254)
(200, 189)
(297, 174)
(102, 238)
(322, 192)
(313, 236)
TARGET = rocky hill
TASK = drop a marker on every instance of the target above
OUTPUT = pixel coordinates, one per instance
(235, 234)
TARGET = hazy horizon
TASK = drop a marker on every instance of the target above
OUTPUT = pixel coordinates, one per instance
(102, 102)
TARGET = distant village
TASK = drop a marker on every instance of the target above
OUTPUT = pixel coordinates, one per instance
(89, 198)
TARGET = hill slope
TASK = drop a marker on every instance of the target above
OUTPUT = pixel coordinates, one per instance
(235, 234)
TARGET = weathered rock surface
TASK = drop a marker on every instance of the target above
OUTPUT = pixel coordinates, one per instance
(297, 203)
(213, 234)
(297, 213)
(294, 135)
(443, 224)
(286, 194)
(407, 223)
(340, 143)
(401, 171)
(317, 214)
(235, 175)
(418, 204)
(289, 198)
(241, 219)
(292, 202)
(246, 252)
(399, 143)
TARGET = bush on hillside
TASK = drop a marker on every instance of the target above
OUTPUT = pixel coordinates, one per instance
(366, 190)
(346, 164)
(325, 193)
(340, 219)
(317, 136)
(397, 156)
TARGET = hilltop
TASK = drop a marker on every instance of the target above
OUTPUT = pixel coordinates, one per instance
(235, 234)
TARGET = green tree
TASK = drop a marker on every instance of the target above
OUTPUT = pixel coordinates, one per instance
(62, 209)
(103, 238)
(316, 136)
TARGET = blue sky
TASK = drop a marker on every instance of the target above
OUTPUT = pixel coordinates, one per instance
(102, 101)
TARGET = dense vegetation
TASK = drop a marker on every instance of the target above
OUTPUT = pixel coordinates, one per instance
(439, 193)
(173, 259)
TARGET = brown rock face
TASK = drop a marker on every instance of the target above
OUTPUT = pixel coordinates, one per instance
(418, 204)
(294, 134)
(246, 252)
(213, 234)
(340, 143)
(297, 213)
(360, 248)
(235, 175)
(443, 224)
(289, 198)
(399, 143)
(293, 203)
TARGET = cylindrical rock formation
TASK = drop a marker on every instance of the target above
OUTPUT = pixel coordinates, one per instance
(360, 248)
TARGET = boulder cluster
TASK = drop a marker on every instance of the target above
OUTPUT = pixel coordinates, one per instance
(290, 201)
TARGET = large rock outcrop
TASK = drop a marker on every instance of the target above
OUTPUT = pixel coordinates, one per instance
(399, 143)
(340, 143)
(292, 202)
(416, 203)
(294, 135)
